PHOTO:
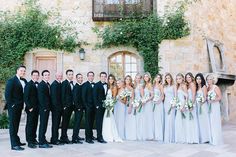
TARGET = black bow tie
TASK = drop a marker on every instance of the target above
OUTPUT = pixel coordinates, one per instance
(71, 82)
(104, 83)
(21, 78)
(36, 83)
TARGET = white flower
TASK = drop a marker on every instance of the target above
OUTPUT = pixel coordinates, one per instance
(200, 99)
(211, 96)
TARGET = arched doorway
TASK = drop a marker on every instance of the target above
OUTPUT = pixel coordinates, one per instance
(123, 63)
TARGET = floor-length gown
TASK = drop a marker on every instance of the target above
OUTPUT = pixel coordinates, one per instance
(192, 132)
(180, 122)
(130, 124)
(203, 120)
(139, 114)
(216, 137)
(148, 126)
(109, 129)
(169, 118)
(158, 115)
(119, 114)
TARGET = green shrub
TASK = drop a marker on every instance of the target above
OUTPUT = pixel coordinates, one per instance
(4, 123)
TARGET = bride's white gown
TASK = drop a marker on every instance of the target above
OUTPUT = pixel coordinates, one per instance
(109, 129)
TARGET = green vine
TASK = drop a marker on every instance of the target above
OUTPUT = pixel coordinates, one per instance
(145, 34)
(27, 29)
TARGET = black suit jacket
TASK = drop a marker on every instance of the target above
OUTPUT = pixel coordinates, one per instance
(14, 93)
(67, 94)
(77, 95)
(87, 94)
(44, 96)
(31, 96)
(55, 93)
(99, 94)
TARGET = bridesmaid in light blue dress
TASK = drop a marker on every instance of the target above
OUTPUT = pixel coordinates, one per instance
(120, 110)
(158, 109)
(180, 122)
(192, 132)
(216, 137)
(169, 93)
(130, 118)
(203, 117)
(148, 128)
(138, 94)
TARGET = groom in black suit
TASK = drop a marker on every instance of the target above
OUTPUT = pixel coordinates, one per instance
(44, 108)
(32, 109)
(100, 91)
(88, 98)
(14, 103)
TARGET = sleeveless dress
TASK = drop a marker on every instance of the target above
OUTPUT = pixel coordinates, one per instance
(130, 125)
(169, 118)
(216, 137)
(139, 115)
(192, 132)
(148, 128)
(109, 130)
(203, 120)
(180, 122)
(119, 114)
(158, 115)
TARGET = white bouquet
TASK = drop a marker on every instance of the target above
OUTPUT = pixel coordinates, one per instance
(156, 98)
(211, 96)
(200, 99)
(189, 106)
(109, 105)
(180, 107)
(137, 104)
(173, 103)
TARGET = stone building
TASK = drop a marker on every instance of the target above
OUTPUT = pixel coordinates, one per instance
(211, 21)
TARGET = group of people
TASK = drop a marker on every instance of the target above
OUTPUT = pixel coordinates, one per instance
(123, 109)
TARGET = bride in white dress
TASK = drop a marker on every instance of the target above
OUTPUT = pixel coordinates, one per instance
(109, 129)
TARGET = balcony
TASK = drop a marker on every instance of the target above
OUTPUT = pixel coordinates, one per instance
(110, 10)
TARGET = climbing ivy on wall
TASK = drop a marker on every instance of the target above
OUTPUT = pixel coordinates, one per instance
(26, 29)
(145, 34)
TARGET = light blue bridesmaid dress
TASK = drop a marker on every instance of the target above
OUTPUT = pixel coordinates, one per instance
(158, 115)
(119, 114)
(169, 118)
(203, 120)
(192, 131)
(216, 137)
(148, 128)
(139, 115)
(130, 124)
(180, 122)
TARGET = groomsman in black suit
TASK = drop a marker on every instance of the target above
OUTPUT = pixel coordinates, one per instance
(67, 103)
(100, 91)
(14, 103)
(44, 108)
(87, 96)
(32, 109)
(57, 108)
(79, 108)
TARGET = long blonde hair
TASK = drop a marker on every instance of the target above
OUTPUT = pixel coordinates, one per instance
(183, 82)
(137, 75)
(149, 83)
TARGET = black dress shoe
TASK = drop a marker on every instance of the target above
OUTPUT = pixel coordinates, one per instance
(45, 146)
(57, 143)
(17, 148)
(89, 141)
(31, 145)
(36, 142)
(22, 144)
(66, 141)
(77, 142)
(80, 138)
(94, 138)
(101, 141)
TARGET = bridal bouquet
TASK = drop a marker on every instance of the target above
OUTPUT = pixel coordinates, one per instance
(200, 99)
(189, 106)
(145, 99)
(155, 100)
(137, 104)
(211, 96)
(126, 95)
(173, 103)
(109, 104)
(180, 107)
